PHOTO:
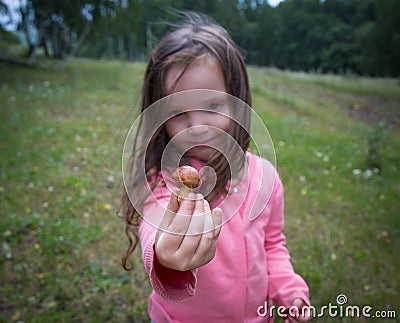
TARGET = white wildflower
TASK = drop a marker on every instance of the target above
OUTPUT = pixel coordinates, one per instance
(318, 154)
(368, 174)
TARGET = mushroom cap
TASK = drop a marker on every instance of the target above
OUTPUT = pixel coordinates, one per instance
(187, 175)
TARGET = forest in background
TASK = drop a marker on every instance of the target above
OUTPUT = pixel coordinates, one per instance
(331, 36)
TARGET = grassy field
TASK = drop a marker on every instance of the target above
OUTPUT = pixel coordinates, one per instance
(62, 131)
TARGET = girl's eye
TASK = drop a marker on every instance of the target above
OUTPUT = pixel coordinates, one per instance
(178, 114)
(214, 106)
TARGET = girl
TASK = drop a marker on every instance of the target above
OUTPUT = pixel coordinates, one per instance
(208, 258)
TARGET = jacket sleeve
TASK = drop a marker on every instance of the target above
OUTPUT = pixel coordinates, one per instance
(170, 284)
(284, 284)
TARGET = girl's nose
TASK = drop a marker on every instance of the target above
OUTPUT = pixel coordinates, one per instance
(197, 122)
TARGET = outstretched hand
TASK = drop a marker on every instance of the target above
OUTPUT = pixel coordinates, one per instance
(301, 315)
(188, 233)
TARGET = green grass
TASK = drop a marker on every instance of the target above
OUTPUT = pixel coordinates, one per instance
(62, 134)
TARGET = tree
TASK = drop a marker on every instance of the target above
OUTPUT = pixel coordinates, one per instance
(61, 26)
(361, 36)
(380, 41)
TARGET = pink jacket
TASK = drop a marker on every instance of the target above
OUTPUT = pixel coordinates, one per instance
(251, 265)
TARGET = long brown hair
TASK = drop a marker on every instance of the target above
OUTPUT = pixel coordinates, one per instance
(187, 43)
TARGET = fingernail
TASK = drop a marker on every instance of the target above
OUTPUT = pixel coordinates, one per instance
(217, 211)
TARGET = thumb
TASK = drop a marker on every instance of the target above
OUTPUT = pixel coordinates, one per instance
(217, 219)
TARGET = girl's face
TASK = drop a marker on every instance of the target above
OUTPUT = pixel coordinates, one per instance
(199, 118)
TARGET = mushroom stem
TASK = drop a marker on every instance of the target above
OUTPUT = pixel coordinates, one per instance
(183, 191)
(187, 177)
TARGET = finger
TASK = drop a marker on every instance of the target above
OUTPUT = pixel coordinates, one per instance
(197, 220)
(295, 309)
(174, 204)
(193, 237)
(299, 303)
(208, 220)
(206, 249)
(180, 223)
(162, 236)
(170, 212)
(305, 316)
(208, 231)
(217, 219)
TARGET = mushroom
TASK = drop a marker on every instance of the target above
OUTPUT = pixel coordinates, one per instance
(187, 177)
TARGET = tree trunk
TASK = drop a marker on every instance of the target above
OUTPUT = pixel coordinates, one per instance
(45, 47)
(25, 30)
(54, 39)
(34, 46)
(121, 43)
(110, 42)
(131, 53)
(31, 50)
(81, 40)
(149, 36)
(32, 54)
